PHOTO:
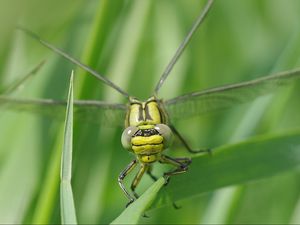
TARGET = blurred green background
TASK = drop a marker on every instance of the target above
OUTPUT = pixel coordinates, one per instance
(131, 42)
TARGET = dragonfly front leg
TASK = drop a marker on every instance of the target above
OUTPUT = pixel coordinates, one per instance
(121, 177)
(181, 165)
(185, 144)
(138, 177)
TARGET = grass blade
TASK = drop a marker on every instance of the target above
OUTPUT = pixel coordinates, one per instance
(135, 211)
(68, 214)
(250, 160)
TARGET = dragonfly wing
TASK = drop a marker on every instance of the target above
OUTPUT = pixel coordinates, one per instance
(201, 102)
(84, 110)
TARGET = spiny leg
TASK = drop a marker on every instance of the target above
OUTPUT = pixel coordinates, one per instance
(184, 160)
(121, 177)
(182, 166)
(136, 181)
(185, 144)
(137, 178)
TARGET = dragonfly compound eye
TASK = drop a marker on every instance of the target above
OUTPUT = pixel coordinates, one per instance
(166, 132)
(127, 135)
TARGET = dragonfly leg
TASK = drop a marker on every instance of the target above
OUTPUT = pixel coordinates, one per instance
(185, 144)
(154, 178)
(121, 177)
(136, 181)
(149, 172)
(181, 165)
(184, 160)
(137, 178)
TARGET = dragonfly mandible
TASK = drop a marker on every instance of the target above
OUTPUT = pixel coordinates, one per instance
(148, 124)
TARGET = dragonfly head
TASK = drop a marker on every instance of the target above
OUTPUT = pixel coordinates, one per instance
(147, 139)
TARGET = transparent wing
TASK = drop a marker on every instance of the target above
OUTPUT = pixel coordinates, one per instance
(201, 102)
(84, 110)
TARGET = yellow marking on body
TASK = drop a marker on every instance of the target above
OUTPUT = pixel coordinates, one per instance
(148, 149)
(141, 140)
(134, 115)
(147, 126)
(148, 158)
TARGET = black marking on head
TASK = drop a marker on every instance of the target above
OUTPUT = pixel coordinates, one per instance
(146, 132)
(141, 116)
(147, 114)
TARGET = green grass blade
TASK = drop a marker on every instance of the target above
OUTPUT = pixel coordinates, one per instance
(250, 160)
(135, 211)
(68, 214)
(46, 198)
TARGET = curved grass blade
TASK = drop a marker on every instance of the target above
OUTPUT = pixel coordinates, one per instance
(84, 110)
(135, 211)
(68, 214)
(201, 102)
(250, 160)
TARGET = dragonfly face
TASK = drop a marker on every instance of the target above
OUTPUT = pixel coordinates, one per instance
(145, 113)
(146, 133)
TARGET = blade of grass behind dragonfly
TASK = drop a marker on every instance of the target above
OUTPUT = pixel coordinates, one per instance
(31, 168)
(274, 117)
(47, 196)
(18, 151)
(68, 214)
(45, 207)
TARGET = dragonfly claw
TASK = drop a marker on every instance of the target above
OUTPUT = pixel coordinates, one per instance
(129, 203)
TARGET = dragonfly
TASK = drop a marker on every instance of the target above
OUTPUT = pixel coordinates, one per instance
(148, 129)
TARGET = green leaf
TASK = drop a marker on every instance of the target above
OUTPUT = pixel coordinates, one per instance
(239, 163)
(68, 214)
(135, 211)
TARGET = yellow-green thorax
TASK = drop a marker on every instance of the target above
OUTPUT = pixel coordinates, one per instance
(145, 133)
